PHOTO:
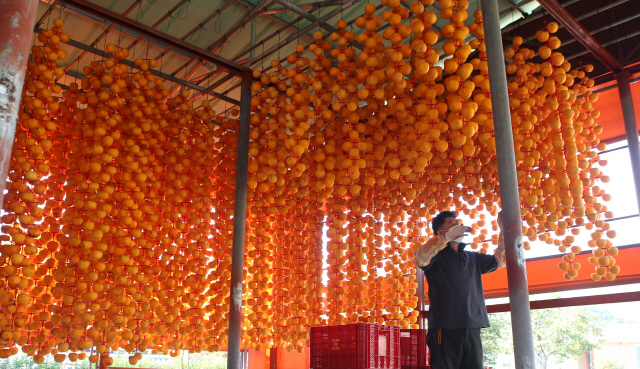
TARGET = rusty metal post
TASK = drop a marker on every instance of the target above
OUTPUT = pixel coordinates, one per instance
(630, 128)
(509, 196)
(234, 358)
(420, 295)
(101, 364)
(17, 19)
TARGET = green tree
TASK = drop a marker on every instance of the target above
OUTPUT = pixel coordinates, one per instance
(562, 333)
(497, 338)
(608, 364)
(22, 361)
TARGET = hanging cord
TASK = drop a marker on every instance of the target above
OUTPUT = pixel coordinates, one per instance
(199, 32)
(217, 26)
(48, 20)
(139, 13)
(188, 2)
(133, 54)
(104, 45)
(236, 8)
(286, 10)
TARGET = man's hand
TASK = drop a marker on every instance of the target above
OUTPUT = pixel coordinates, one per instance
(457, 233)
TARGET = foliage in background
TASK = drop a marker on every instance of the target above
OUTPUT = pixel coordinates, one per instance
(564, 333)
(22, 361)
(496, 338)
(561, 333)
(203, 360)
(608, 364)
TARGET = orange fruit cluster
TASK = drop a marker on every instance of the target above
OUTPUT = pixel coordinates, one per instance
(119, 213)
(116, 227)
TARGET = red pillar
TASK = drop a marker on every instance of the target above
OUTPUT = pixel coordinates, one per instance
(273, 358)
(102, 364)
(17, 19)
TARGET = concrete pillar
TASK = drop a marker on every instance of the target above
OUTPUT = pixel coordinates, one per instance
(17, 19)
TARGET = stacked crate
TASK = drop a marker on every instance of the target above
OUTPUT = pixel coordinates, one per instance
(355, 346)
(414, 353)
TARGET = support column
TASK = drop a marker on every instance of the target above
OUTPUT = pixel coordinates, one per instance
(273, 358)
(17, 19)
(234, 358)
(509, 196)
(420, 295)
(630, 128)
(103, 363)
(252, 53)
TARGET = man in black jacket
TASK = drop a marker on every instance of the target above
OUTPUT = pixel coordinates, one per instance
(457, 310)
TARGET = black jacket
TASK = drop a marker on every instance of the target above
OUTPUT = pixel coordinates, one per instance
(456, 296)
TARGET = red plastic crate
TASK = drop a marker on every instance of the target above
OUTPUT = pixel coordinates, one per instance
(414, 353)
(355, 346)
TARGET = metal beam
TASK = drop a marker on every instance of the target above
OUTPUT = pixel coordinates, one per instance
(584, 16)
(509, 193)
(234, 359)
(630, 35)
(199, 26)
(48, 11)
(159, 21)
(532, 17)
(285, 58)
(252, 14)
(250, 6)
(153, 33)
(252, 53)
(17, 19)
(290, 25)
(516, 6)
(579, 32)
(162, 75)
(227, 78)
(274, 34)
(630, 128)
(102, 35)
(631, 53)
(283, 10)
(572, 301)
(125, 30)
(311, 26)
(219, 43)
(312, 18)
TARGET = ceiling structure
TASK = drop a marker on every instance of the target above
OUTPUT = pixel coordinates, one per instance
(613, 24)
(252, 33)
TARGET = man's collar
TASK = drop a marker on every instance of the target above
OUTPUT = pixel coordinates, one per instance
(461, 245)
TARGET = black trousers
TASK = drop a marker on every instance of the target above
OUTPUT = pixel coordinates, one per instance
(455, 348)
